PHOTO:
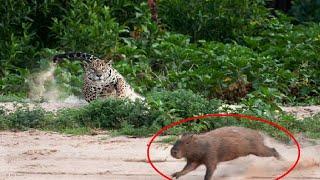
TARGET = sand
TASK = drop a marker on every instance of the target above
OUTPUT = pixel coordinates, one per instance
(43, 155)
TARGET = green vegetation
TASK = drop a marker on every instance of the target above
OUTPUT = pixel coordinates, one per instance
(306, 10)
(169, 140)
(215, 51)
(222, 49)
(10, 98)
(134, 118)
(214, 20)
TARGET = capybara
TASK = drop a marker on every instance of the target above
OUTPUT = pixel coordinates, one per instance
(222, 144)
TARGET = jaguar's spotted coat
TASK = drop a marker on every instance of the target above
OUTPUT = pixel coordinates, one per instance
(101, 80)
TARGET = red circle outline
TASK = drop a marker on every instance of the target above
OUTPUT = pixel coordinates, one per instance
(253, 118)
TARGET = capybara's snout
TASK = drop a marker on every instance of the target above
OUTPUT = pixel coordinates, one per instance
(176, 150)
(176, 153)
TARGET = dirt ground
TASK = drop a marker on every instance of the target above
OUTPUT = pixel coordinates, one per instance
(46, 155)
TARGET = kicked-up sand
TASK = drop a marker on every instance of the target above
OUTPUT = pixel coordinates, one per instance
(43, 155)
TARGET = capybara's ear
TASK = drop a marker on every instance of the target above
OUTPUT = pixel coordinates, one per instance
(192, 137)
(186, 134)
(189, 138)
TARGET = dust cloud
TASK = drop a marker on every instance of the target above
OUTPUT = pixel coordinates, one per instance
(44, 88)
(269, 168)
(39, 82)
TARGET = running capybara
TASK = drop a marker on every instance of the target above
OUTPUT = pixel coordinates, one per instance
(222, 144)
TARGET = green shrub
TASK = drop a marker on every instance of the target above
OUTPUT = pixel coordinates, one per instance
(25, 31)
(265, 55)
(69, 77)
(130, 130)
(24, 118)
(87, 27)
(181, 104)
(191, 67)
(110, 113)
(213, 20)
(295, 53)
(14, 82)
(125, 11)
(136, 118)
(3, 123)
(306, 10)
(311, 126)
(221, 70)
(68, 119)
(3, 120)
(104, 115)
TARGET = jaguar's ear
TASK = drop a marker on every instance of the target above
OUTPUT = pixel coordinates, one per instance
(119, 57)
(110, 62)
(85, 64)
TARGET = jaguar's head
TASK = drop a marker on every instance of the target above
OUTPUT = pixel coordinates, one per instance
(98, 69)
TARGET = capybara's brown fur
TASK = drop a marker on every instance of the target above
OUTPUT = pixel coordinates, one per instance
(219, 145)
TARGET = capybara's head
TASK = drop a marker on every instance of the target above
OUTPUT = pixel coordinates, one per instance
(182, 145)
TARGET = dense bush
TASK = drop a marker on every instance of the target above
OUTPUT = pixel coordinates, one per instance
(109, 114)
(24, 32)
(162, 109)
(68, 76)
(295, 54)
(135, 118)
(285, 73)
(282, 74)
(266, 57)
(213, 20)
(25, 118)
(87, 27)
(306, 10)
(311, 126)
(28, 27)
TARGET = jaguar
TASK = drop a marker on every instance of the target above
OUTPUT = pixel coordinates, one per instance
(101, 80)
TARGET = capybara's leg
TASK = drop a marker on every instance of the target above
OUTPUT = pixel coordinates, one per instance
(210, 169)
(276, 154)
(190, 166)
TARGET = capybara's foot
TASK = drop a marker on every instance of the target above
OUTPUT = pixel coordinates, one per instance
(176, 175)
(276, 154)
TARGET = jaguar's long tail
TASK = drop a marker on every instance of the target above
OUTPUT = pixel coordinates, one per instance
(74, 55)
